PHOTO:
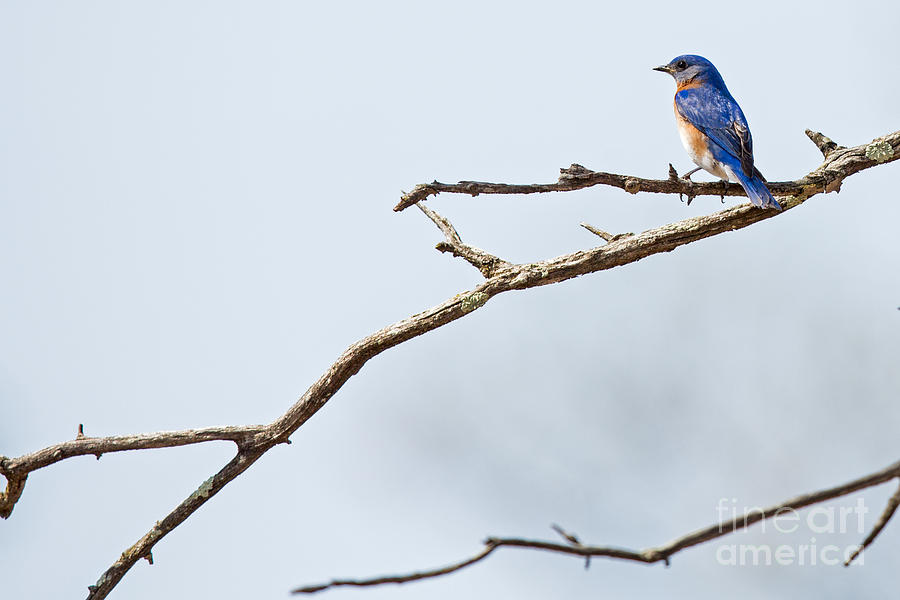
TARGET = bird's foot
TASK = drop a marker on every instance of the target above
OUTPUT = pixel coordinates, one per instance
(689, 192)
(687, 177)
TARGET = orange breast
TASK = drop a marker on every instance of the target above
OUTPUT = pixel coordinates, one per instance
(687, 85)
(692, 138)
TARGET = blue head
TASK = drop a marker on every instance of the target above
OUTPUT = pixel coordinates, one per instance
(690, 68)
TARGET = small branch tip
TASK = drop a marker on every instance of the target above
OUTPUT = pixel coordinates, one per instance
(825, 145)
(607, 237)
(892, 504)
(569, 537)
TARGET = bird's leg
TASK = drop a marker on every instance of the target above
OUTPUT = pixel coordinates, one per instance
(687, 176)
(724, 188)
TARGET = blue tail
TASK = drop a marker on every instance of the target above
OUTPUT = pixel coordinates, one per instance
(756, 188)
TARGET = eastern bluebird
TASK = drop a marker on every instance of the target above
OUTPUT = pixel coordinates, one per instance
(713, 128)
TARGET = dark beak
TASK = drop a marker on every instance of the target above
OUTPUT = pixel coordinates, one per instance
(664, 69)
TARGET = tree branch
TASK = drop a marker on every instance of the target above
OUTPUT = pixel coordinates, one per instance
(839, 163)
(489, 546)
(485, 262)
(500, 277)
(143, 547)
(16, 470)
(650, 555)
(892, 504)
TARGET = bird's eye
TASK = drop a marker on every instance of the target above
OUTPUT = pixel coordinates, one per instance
(681, 65)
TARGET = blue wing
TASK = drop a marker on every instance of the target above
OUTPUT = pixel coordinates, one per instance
(716, 114)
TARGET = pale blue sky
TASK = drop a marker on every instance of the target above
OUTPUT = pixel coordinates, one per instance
(195, 220)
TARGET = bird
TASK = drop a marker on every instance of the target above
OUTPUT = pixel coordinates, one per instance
(713, 128)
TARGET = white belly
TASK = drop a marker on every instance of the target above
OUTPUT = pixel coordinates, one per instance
(697, 149)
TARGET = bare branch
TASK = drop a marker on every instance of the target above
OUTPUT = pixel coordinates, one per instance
(489, 546)
(839, 163)
(16, 470)
(485, 262)
(501, 277)
(650, 555)
(892, 504)
(144, 546)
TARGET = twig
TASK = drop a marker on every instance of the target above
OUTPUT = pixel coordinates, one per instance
(598, 232)
(839, 163)
(489, 546)
(892, 504)
(608, 237)
(485, 262)
(650, 555)
(572, 539)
